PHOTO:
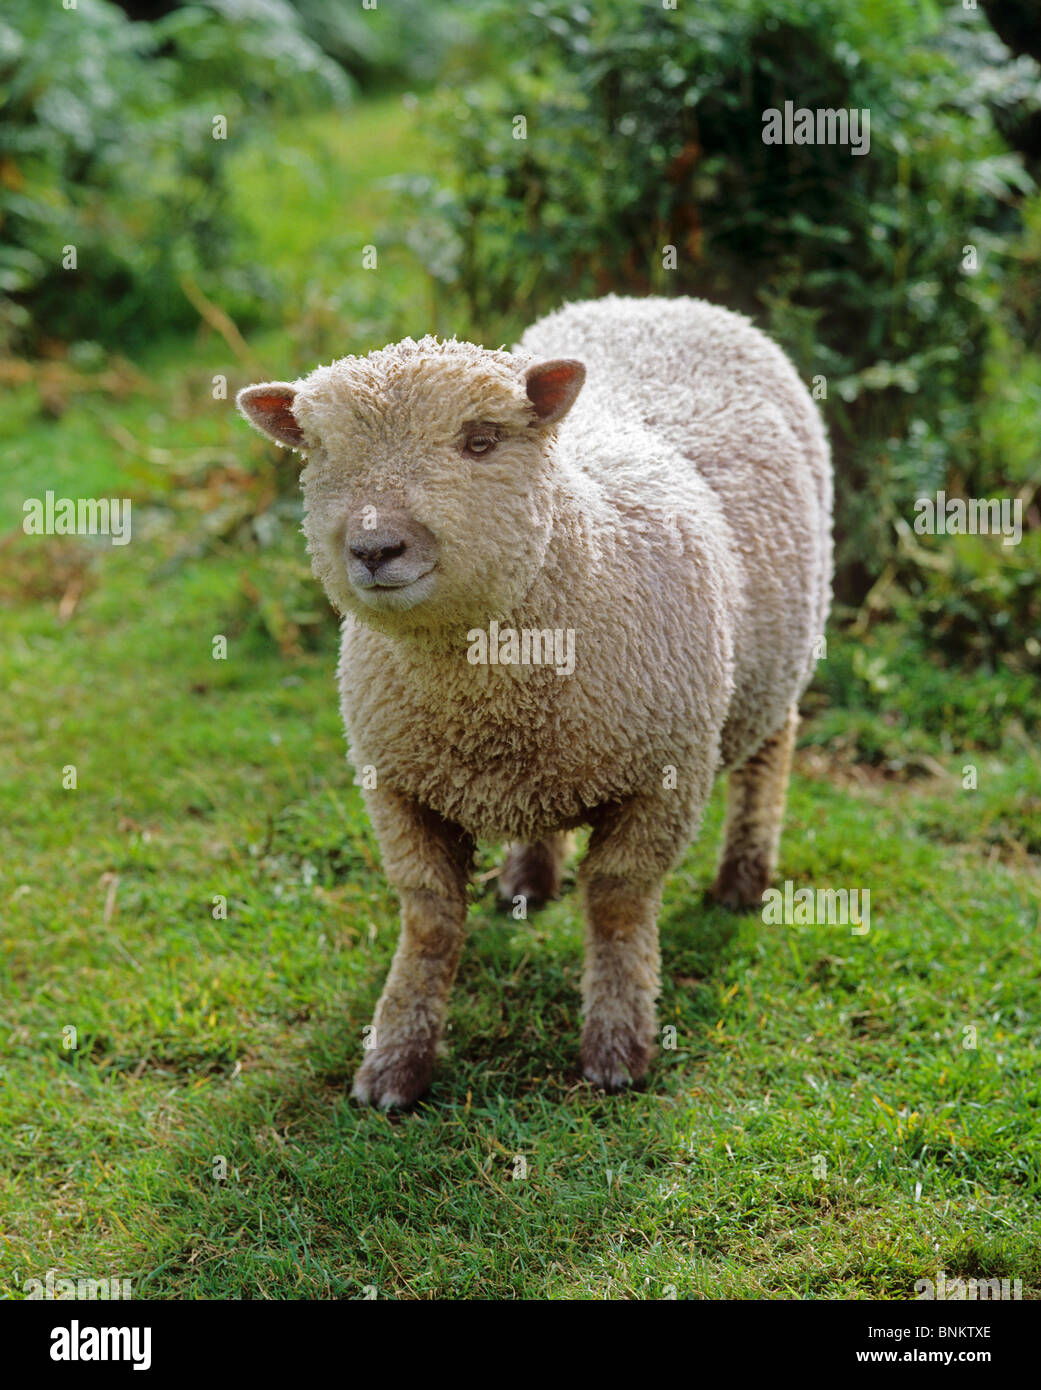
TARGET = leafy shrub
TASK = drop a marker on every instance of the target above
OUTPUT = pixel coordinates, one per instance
(888, 694)
(107, 145)
(398, 41)
(644, 131)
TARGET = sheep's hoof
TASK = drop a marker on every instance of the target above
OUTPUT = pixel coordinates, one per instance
(531, 872)
(614, 1058)
(393, 1078)
(741, 883)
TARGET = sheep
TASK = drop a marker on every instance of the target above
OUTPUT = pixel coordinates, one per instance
(649, 476)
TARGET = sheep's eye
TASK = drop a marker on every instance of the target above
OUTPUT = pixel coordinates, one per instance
(481, 443)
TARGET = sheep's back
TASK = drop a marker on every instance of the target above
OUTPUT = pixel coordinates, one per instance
(720, 399)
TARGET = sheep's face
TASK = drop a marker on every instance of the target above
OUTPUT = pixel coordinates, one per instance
(429, 482)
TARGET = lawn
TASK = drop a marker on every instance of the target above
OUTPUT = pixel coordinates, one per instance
(194, 935)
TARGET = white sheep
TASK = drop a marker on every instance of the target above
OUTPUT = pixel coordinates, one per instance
(466, 509)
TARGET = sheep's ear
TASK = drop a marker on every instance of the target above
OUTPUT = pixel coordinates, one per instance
(269, 408)
(553, 387)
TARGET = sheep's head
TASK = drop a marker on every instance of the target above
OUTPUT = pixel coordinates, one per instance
(429, 480)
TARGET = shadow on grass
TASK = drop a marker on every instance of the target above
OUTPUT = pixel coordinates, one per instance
(514, 1022)
(334, 1180)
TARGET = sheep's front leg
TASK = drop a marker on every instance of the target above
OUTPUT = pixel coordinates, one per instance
(620, 984)
(621, 879)
(428, 861)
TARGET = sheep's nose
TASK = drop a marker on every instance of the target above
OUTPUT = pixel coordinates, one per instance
(377, 552)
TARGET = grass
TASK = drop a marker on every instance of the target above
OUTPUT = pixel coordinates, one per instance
(821, 1127)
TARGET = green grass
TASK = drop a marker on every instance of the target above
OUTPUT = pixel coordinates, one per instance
(819, 1129)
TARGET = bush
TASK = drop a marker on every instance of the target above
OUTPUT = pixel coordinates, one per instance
(644, 131)
(107, 145)
(398, 41)
(888, 694)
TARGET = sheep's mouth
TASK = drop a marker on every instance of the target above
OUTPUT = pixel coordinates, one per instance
(387, 585)
(395, 593)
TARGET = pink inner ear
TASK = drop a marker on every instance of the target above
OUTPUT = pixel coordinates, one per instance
(278, 415)
(548, 389)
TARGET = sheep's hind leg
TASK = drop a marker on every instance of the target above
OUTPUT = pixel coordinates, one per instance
(756, 794)
(533, 872)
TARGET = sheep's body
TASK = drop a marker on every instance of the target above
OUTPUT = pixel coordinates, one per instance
(691, 557)
(516, 752)
(678, 524)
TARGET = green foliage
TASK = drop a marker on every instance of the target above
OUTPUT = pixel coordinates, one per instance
(644, 131)
(107, 145)
(980, 605)
(397, 41)
(890, 695)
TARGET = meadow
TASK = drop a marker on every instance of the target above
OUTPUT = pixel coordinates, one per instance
(841, 1114)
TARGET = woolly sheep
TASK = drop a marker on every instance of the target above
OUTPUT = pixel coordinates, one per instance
(645, 482)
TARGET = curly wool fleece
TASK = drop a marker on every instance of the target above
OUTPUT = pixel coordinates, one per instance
(647, 477)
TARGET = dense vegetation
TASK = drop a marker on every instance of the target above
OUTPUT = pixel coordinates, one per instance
(645, 133)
